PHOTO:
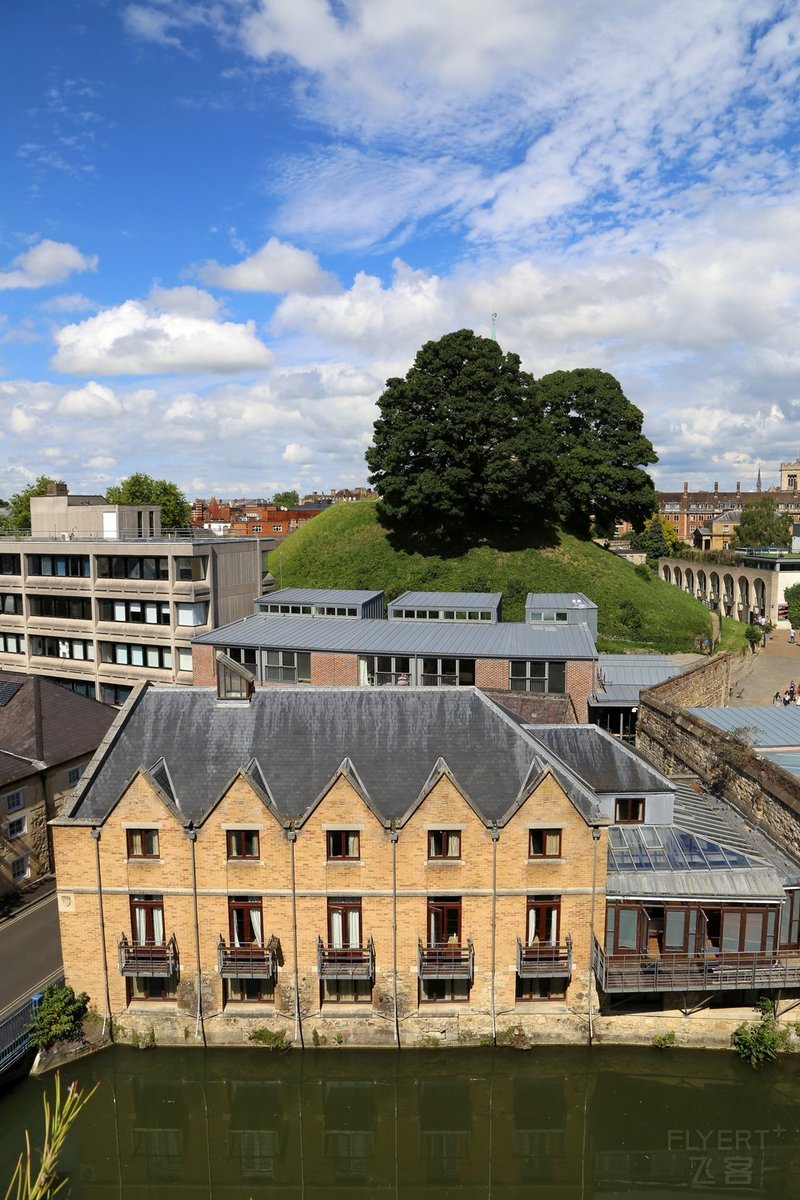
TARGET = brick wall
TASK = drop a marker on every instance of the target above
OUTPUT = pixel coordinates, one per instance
(332, 670)
(492, 674)
(581, 680)
(204, 667)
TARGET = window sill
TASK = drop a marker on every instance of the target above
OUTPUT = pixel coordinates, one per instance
(446, 862)
(543, 858)
(243, 862)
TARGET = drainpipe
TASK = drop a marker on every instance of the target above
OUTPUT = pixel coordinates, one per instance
(595, 840)
(104, 956)
(393, 835)
(495, 838)
(199, 1027)
(298, 1024)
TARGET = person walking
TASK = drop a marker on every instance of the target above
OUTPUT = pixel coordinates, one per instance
(791, 635)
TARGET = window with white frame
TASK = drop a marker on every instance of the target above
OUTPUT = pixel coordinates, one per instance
(15, 800)
(20, 868)
(12, 643)
(184, 659)
(17, 827)
(192, 614)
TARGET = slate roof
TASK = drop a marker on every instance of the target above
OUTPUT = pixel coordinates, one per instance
(602, 762)
(42, 724)
(292, 742)
(449, 639)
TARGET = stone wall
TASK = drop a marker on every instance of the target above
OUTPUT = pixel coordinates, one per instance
(678, 742)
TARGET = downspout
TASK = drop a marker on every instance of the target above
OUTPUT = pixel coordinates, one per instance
(595, 841)
(199, 1027)
(107, 1015)
(298, 1024)
(495, 839)
(393, 835)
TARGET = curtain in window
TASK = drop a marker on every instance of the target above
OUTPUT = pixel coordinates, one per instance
(363, 672)
(158, 927)
(553, 926)
(352, 845)
(354, 927)
(255, 924)
(453, 847)
(137, 848)
(531, 926)
(551, 839)
(140, 921)
(119, 610)
(238, 926)
(337, 932)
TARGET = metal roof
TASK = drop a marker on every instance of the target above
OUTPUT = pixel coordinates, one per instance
(448, 600)
(767, 725)
(329, 596)
(624, 676)
(458, 639)
(575, 600)
(787, 760)
(602, 762)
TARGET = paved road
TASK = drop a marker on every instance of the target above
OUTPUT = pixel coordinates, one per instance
(769, 672)
(30, 952)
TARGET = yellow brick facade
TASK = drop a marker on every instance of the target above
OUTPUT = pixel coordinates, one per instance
(393, 877)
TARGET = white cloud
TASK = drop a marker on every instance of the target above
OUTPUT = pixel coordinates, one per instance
(187, 301)
(94, 401)
(21, 421)
(44, 264)
(294, 453)
(276, 267)
(69, 302)
(102, 462)
(136, 339)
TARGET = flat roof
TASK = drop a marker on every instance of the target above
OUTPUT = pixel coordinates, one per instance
(447, 600)
(769, 725)
(558, 600)
(297, 595)
(624, 676)
(504, 639)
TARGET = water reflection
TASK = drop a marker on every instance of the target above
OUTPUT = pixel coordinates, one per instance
(556, 1123)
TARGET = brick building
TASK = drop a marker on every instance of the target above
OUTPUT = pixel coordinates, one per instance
(385, 863)
(47, 736)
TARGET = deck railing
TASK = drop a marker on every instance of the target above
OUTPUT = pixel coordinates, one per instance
(447, 961)
(346, 962)
(545, 959)
(711, 971)
(246, 962)
(154, 959)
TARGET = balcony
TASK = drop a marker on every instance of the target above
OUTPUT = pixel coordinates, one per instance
(545, 960)
(247, 962)
(349, 962)
(156, 960)
(448, 961)
(710, 972)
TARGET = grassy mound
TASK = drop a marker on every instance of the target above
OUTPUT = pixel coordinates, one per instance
(345, 547)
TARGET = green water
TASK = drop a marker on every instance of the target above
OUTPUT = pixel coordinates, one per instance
(563, 1122)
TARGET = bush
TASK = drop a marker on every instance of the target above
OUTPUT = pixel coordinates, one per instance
(753, 634)
(645, 571)
(272, 1039)
(59, 1018)
(760, 1041)
(664, 1041)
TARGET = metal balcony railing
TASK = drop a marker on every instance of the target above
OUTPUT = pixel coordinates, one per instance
(711, 971)
(246, 962)
(449, 960)
(346, 962)
(154, 959)
(545, 959)
(439, 680)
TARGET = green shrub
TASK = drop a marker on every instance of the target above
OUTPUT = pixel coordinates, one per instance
(761, 1041)
(59, 1018)
(664, 1041)
(272, 1039)
(645, 571)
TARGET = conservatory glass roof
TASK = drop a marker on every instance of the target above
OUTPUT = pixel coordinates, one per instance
(668, 848)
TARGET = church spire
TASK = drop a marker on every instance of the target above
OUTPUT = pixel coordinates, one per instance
(758, 480)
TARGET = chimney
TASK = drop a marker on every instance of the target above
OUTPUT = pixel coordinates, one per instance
(738, 488)
(716, 488)
(57, 489)
(685, 489)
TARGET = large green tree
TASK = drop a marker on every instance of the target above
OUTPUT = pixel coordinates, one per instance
(762, 525)
(19, 506)
(657, 538)
(601, 449)
(143, 489)
(460, 450)
(288, 499)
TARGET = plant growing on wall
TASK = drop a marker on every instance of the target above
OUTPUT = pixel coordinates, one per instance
(59, 1017)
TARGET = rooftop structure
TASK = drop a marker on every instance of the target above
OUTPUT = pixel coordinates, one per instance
(321, 602)
(447, 606)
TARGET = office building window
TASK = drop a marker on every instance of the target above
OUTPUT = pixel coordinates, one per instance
(526, 675)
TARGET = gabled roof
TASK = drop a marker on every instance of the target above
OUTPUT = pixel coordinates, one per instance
(390, 742)
(44, 724)
(604, 764)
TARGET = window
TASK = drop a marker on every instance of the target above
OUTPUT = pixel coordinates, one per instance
(17, 827)
(20, 868)
(528, 675)
(544, 843)
(123, 566)
(133, 654)
(15, 800)
(71, 608)
(59, 565)
(191, 569)
(73, 775)
(444, 843)
(192, 614)
(448, 672)
(629, 811)
(52, 647)
(242, 843)
(135, 612)
(343, 843)
(147, 920)
(277, 529)
(184, 659)
(114, 693)
(143, 843)
(382, 670)
(10, 604)
(12, 643)
(9, 564)
(287, 666)
(256, 529)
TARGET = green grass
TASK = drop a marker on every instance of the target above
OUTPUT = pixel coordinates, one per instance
(732, 637)
(345, 547)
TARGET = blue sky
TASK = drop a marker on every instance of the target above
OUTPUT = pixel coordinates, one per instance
(223, 225)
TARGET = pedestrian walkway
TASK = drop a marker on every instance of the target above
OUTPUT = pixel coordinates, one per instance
(773, 667)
